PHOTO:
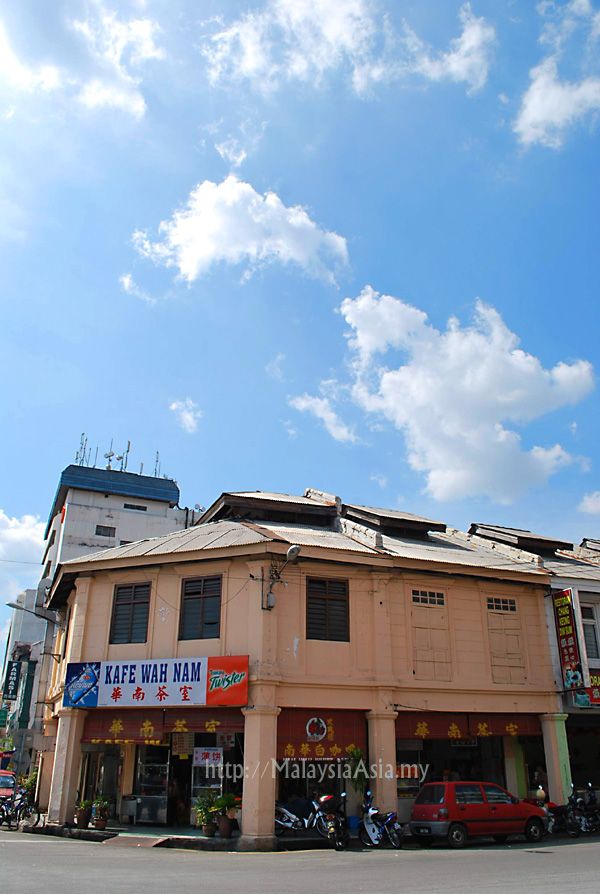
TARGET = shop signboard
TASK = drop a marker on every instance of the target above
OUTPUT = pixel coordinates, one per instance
(589, 697)
(11, 681)
(568, 645)
(207, 757)
(170, 682)
(3, 716)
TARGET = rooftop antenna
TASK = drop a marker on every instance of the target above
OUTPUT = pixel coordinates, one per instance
(141, 468)
(157, 465)
(124, 469)
(109, 455)
(80, 455)
(96, 457)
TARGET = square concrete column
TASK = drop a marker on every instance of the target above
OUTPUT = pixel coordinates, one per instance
(258, 797)
(63, 790)
(556, 749)
(382, 752)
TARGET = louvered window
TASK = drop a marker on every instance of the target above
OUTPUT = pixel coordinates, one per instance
(130, 614)
(590, 632)
(201, 608)
(327, 610)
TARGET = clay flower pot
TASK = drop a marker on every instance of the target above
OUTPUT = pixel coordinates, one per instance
(209, 829)
(225, 826)
(100, 823)
(83, 817)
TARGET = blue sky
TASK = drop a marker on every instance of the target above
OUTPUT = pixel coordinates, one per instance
(332, 243)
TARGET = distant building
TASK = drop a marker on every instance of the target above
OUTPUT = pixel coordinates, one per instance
(93, 509)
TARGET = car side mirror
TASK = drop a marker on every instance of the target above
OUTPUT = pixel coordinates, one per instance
(514, 800)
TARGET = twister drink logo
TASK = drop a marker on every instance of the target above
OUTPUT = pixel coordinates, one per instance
(81, 685)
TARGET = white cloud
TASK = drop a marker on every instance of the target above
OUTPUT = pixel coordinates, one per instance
(119, 48)
(131, 288)
(468, 59)
(273, 368)
(321, 408)
(591, 503)
(19, 76)
(550, 106)
(231, 151)
(305, 40)
(187, 413)
(379, 479)
(455, 394)
(230, 222)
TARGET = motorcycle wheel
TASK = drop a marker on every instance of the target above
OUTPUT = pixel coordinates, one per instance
(321, 826)
(280, 827)
(341, 838)
(572, 827)
(395, 838)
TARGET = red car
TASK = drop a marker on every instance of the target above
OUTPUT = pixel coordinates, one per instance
(8, 782)
(457, 810)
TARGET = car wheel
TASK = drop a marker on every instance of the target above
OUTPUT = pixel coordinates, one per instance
(500, 839)
(534, 831)
(457, 836)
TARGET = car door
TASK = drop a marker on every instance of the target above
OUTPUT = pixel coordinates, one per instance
(472, 808)
(506, 817)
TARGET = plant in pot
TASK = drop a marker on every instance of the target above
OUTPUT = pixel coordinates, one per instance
(226, 808)
(101, 807)
(83, 814)
(205, 815)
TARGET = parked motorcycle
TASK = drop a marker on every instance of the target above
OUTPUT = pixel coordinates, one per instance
(337, 827)
(589, 814)
(375, 827)
(565, 818)
(303, 814)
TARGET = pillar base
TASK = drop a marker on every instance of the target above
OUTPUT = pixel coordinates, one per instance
(257, 843)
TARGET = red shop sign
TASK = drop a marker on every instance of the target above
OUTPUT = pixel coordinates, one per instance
(154, 726)
(568, 645)
(320, 733)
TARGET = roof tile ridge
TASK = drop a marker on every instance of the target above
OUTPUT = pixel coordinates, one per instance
(505, 549)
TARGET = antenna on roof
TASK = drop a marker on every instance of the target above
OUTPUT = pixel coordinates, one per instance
(141, 468)
(109, 455)
(96, 457)
(80, 455)
(124, 469)
(157, 465)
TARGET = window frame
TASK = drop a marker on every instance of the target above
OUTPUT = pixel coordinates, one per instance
(131, 602)
(101, 533)
(187, 598)
(327, 598)
(593, 623)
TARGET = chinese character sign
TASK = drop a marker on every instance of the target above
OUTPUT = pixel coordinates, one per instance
(11, 681)
(568, 645)
(163, 682)
(208, 757)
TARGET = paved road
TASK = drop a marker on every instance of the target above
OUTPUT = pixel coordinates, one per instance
(35, 863)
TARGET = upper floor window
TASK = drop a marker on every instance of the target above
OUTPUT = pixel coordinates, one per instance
(327, 609)
(137, 506)
(130, 614)
(501, 605)
(590, 631)
(105, 531)
(201, 608)
(427, 597)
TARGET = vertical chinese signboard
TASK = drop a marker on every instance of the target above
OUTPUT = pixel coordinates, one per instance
(568, 646)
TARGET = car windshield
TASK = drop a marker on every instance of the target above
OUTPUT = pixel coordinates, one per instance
(7, 781)
(431, 794)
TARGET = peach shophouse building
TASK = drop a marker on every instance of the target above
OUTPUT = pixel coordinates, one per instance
(189, 656)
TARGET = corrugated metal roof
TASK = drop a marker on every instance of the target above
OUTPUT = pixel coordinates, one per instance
(212, 535)
(305, 535)
(571, 566)
(278, 498)
(453, 548)
(517, 536)
(394, 514)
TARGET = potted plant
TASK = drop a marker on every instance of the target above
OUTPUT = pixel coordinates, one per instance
(83, 814)
(204, 808)
(226, 808)
(101, 807)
